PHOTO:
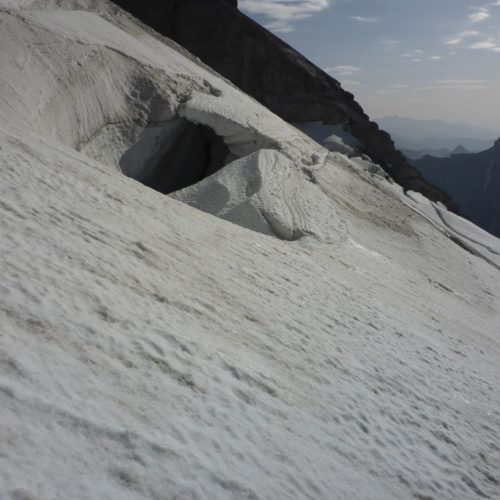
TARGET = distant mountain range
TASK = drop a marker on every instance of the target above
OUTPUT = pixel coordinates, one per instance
(421, 129)
(472, 180)
(416, 138)
(414, 154)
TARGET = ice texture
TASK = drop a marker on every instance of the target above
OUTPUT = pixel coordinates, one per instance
(345, 346)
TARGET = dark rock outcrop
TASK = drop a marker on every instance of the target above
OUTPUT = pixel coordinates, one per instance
(275, 74)
(473, 180)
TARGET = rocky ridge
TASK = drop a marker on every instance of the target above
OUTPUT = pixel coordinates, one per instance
(473, 180)
(275, 74)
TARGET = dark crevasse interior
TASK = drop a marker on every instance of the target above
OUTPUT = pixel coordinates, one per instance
(172, 157)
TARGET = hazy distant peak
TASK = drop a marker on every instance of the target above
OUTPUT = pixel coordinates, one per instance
(438, 129)
(459, 150)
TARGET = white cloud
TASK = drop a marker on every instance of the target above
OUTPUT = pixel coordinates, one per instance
(492, 44)
(343, 70)
(481, 15)
(361, 19)
(477, 17)
(454, 85)
(414, 53)
(484, 40)
(283, 13)
(487, 44)
(435, 58)
(461, 37)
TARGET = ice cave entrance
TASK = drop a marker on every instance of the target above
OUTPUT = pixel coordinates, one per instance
(174, 155)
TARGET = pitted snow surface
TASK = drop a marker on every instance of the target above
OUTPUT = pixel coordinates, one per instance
(151, 350)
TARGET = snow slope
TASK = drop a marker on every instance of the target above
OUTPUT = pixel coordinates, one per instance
(101, 85)
(151, 350)
(265, 192)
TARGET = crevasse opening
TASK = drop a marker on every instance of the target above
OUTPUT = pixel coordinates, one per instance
(174, 155)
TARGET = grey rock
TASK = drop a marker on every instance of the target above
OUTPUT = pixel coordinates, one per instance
(474, 182)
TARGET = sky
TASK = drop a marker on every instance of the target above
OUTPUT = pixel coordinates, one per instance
(424, 59)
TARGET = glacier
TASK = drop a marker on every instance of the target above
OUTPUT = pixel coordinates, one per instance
(290, 325)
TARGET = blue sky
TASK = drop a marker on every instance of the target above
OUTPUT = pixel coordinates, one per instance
(415, 58)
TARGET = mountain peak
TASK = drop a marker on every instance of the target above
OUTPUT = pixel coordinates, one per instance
(459, 150)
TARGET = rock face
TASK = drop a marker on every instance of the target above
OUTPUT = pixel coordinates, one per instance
(473, 180)
(269, 70)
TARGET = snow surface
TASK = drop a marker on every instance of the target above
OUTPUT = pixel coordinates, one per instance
(151, 350)
(266, 192)
(471, 237)
(87, 83)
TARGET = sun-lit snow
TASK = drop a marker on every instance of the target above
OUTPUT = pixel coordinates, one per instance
(149, 349)
(266, 192)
